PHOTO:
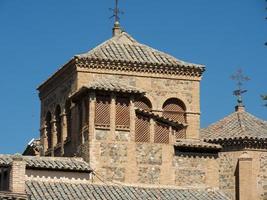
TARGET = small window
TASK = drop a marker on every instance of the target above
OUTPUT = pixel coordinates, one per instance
(102, 111)
(174, 109)
(144, 104)
(48, 129)
(161, 133)
(142, 129)
(58, 124)
(122, 113)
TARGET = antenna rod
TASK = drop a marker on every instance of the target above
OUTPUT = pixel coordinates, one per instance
(117, 11)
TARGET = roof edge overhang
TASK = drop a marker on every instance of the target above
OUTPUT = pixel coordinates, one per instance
(183, 69)
(243, 142)
(160, 118)
(85, 90)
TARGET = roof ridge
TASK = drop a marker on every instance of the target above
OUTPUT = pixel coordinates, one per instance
(124, 47)
(239, 124)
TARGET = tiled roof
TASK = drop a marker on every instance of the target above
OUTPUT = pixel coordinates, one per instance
(53, 163)
(160, 118)
(123, 47)
(109, 84)
(12, 196)
(194, 143)
(238, 125)
(70, 191)
(113, 84)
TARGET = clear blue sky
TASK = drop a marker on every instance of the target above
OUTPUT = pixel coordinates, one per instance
(37, 37)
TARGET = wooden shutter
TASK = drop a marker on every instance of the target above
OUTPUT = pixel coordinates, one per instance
(102, 111)
(174, 110)
(142, 129)
(143, 104)
(161, 133)
(179, 133)
(122, 113)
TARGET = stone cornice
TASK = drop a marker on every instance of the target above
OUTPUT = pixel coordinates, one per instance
(241, 143)
(150, 68)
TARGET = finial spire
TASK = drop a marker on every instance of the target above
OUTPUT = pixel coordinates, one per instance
(240, 78)
(116, 12)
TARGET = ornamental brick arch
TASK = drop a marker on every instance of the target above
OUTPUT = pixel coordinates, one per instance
(143, 103)
(174, 109)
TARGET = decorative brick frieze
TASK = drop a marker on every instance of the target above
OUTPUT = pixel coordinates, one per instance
(139, 67)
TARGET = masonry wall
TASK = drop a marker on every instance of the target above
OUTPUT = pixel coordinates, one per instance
(228, 173)
(146, 163)
(158, 89)
(55, 93)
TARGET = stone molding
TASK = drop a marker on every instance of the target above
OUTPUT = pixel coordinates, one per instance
(140, 67)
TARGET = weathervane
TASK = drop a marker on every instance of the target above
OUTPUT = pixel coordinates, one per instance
(116, 11)
(240, 78)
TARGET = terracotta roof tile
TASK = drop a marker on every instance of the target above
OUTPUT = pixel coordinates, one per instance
(160, 118)
(194, 143)
(123, 47)
(112, 84)
(108, 84)
(12, 196)
(61, 190)
(56, 163)
(237, 125)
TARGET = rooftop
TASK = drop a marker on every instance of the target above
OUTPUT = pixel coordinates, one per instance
(52, 163)
(61, 190)
(124, 48)
(238, 125)
(197, 144)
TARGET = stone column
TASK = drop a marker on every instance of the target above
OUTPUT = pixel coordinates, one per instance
(91, 157)
(64, 130)
(113, 116)
(74, 125)
(92, 102)
(152, 130)
(53, 135)
(245, 177)
(172, 138)
(44, 142)
(132, 119)
(17, 175)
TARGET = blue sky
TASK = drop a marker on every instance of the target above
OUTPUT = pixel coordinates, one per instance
(37, 37)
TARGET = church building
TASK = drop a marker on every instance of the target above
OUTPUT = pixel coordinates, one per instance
(122, 121)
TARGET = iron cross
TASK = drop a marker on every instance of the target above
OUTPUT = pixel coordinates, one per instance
(116, 11)
(240, 78)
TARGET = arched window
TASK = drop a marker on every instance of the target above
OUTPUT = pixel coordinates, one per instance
(175, 110)
(48, 129)
(142, 123)
(143, 103)
(58, 124)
